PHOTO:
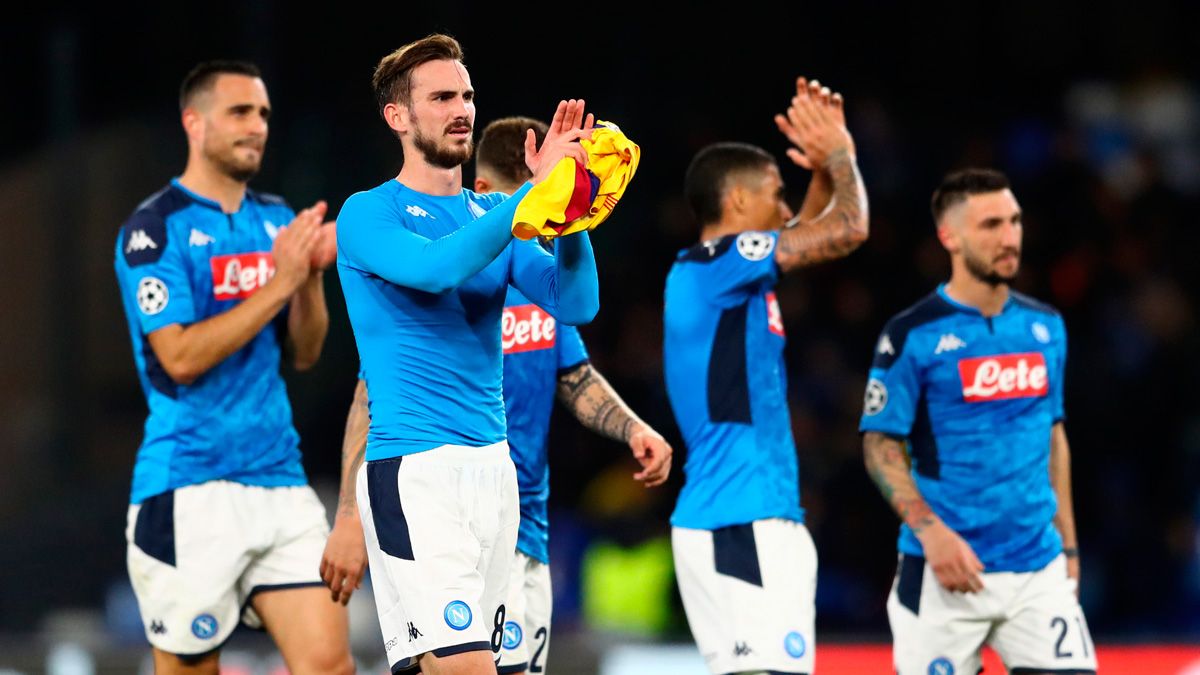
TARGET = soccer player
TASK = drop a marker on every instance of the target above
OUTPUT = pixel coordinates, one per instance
(424, 266)
(540, 357)
(963, 433)
(746, 565)
(218, 283)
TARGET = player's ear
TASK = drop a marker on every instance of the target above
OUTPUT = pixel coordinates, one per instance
(193, 123)
(482, 185)
(396, 116)
(948, 235)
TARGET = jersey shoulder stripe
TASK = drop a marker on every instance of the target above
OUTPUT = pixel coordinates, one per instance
(143, 237)
(1033, 305)
(927, 310)
(707, 251)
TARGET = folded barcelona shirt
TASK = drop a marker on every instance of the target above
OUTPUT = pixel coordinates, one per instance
(574, 198)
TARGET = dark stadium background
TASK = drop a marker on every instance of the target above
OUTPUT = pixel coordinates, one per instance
(1093, 109)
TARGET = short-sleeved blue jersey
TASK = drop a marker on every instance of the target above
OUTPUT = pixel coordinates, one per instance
(431, 356)
(976, 398)
(723, 356)
(180, 259)
(536, 350)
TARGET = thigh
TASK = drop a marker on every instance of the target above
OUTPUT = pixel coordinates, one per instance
(1045, 629)
(310, 629)
(934, 631)
(185, 555)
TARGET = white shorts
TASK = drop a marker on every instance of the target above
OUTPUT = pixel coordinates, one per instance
(749, 593)
(441, 530)
(1032, 620)
(526, 641)
(198, 554)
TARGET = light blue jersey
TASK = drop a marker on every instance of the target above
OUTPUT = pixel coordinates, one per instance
(723, 356)
(975, 398)
(425, 279)
(180, 260)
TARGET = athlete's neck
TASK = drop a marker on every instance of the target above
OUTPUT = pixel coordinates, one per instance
(964, 288)
(202, 178)
(419, 175)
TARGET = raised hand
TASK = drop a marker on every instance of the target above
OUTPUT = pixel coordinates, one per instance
(293, 248)
(815, 123)
(568, 126)
(653, 453)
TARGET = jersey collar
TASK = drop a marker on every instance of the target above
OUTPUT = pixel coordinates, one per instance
(204, 201)
(941, 291)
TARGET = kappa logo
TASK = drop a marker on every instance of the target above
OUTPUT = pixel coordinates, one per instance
(413, 633)
(1040, 332)
(755, 246)
(742, 649)
(948, 343)
(885, 345)
(157, 627)
(139, 241)
(271, 228)
(457, 615)
(152, 295)
(875, 400)
(414, 210)
(199, 238)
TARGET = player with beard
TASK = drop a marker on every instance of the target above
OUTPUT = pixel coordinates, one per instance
(425, 265)
(219, 283)
(963, 434)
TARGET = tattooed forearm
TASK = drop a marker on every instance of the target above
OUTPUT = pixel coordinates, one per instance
(354, 448)
(596, 405)
(887, 464)
(840, 229)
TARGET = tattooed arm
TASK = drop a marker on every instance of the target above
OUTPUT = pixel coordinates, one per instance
(1060, 480)
(345, 556)
(951, 558)
(829, 228)
(597, 406)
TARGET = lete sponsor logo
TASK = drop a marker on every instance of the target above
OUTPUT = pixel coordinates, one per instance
(774, 316)
(993, 378)
(239, 275)
(526, 328)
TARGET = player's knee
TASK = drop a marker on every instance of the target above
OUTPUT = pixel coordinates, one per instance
(334, 660)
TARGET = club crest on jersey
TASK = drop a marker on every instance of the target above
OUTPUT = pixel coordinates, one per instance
(457, 615)
(1004, 376)
(941, 666)
(755, 246)
(1040, 332)
(526, 328)
(237, 276)
(875, 400)
(774, 315)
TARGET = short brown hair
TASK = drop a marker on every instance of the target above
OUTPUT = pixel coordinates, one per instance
(501, 148)
(958, 185)
(392, 80)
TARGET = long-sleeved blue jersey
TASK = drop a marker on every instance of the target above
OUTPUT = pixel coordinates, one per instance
(976, 397)
(424, 279)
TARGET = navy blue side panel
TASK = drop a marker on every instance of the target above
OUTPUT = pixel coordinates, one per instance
(702, 253)
(930, 308)
(159, 379)
(406, 666)
(1035, 305)
(921, 443)
(391, 527)
(515, 668)
(909, 579)
(736, 554)
(154, 530)
(728, 386)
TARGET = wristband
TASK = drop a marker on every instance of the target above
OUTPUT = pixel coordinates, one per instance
(1072, 552)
